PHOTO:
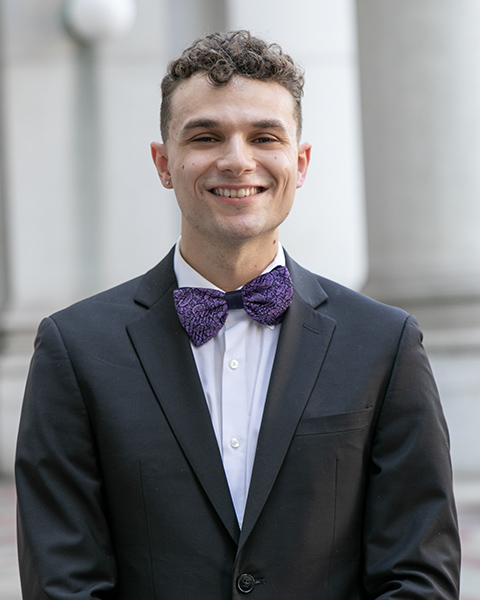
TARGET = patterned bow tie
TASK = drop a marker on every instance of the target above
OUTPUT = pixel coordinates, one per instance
(203, 311)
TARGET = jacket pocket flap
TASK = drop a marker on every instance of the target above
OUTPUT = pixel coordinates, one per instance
(349, 421)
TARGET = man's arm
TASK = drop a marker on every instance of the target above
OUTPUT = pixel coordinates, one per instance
(64, 544)
(411, 545)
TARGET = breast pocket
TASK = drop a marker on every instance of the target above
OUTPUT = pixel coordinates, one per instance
(337, 423)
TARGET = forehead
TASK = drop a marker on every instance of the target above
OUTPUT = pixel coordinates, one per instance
(241, 100)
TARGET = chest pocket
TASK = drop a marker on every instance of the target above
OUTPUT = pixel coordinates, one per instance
(350, 421)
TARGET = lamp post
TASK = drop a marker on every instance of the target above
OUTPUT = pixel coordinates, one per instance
(95, 20)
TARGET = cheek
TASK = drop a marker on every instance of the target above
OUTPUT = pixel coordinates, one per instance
(191, 169)
(282, 166)
(187, 174)
(289, 176)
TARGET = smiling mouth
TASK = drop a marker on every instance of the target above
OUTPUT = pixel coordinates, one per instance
(241, 193)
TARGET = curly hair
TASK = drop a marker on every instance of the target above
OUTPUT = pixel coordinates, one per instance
(222, 56)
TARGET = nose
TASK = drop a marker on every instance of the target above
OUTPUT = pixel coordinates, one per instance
(236, 157)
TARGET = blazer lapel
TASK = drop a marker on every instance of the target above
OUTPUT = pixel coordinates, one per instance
(302, 346)
(163, 349)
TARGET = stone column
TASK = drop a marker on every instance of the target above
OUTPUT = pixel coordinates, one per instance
(420, 85)
(83, 206)
(326, 228)
(3, 187)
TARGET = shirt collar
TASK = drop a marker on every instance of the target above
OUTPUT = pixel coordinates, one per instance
(188, 277)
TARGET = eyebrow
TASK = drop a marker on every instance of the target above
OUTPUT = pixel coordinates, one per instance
(212, 124)
(200, 124)
(270, 124)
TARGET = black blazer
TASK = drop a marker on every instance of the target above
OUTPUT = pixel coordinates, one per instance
(121, 488)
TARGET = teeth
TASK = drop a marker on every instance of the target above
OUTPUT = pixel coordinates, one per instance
(242, 193)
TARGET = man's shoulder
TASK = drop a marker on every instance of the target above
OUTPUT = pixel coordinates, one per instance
(338, 300)
(116, 296)
(121, 302)
(362, 320)
(342, 294)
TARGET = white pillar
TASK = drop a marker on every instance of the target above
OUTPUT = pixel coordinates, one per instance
(78, 174)
(421, 115)
(325, 231)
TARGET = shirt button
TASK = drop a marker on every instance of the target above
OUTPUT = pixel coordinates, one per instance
(234, 364)
(234, 442)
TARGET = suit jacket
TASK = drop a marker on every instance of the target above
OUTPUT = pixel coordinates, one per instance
(121, 488)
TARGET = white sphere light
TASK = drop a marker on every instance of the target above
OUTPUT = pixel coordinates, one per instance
(95, 20)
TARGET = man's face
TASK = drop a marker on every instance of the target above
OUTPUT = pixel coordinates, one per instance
(233, 159)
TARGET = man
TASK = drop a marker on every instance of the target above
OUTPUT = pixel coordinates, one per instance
(284, 442)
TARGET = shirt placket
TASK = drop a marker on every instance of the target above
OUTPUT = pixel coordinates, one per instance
(235, 412)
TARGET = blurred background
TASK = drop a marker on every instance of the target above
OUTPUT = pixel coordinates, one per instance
(392, 108)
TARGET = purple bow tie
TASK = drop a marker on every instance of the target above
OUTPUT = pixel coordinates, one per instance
(203, 312)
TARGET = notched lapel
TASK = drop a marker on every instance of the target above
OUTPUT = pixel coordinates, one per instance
(302, 346)
(163, 349)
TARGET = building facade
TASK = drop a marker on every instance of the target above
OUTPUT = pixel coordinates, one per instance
(391, 107)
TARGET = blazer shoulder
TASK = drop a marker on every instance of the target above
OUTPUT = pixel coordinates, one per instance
(339, 301)
(121, 303)
(341, 296)
(113, 299)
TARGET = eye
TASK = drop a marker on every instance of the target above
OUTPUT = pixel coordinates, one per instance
(205, 139)
(264, 140)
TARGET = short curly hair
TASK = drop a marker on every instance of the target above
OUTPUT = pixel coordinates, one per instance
(222, 56)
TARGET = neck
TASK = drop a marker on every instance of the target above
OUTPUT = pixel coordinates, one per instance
(230, 267)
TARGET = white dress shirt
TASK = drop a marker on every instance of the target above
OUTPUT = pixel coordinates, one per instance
(234, 368)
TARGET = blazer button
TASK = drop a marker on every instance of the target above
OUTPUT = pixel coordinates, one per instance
(245, 583)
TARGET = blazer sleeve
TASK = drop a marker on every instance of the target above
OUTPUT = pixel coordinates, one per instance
(65, 551)
(410, 529)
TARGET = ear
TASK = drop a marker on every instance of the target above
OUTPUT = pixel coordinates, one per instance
(160, 158)
(303, 162)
